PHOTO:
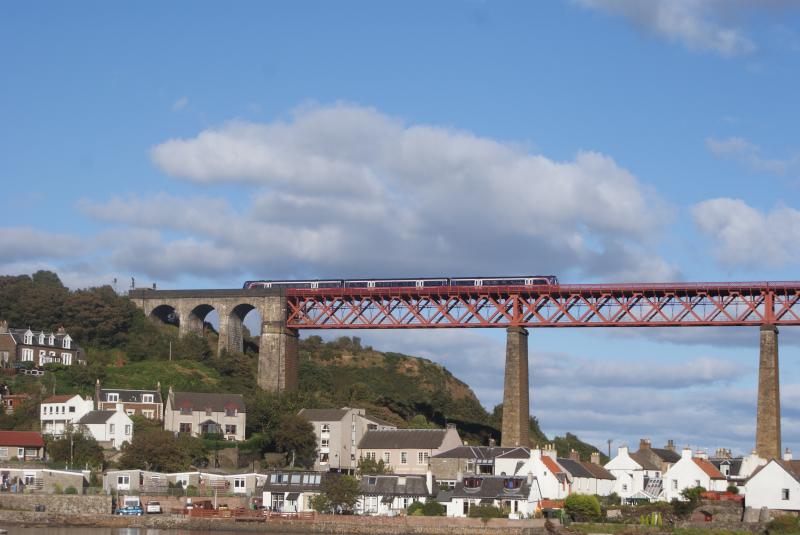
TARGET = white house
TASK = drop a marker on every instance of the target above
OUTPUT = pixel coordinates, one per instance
(636, 477)
(109, 428)
(390, 495)
(292, 492)
(518, 495)
(775, 486)
(58, 413)
(587, 478)
(690, 472)
(550, 480)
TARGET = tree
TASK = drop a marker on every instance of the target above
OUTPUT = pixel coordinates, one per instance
(161, 451)
(420, 422)
(295, 438)
(339, 493)
(77, 450)
(582, 507)
(370, 467)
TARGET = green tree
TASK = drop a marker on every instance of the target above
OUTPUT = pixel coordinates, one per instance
(371, 467)
(76, 449)
(582, 507)
(420, 422)
(160, 451)
(295, 438)
(98, 317)
(339, 493)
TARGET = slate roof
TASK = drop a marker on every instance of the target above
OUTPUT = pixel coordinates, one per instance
(709, 469)
(18, 335)
(201, 401)
(378, 421)
(735, 464)
(483, 453)
(23, 439)
(62, 398)
(306, 482)
(96, 417)
(644, 462)
(668, 456)
(493, 487)
(575, 468)
(128, 396)
(390, 486)
(322, 415)
(413, 439)
(598, 471)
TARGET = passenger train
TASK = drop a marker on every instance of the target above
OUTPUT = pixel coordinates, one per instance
(535, 280)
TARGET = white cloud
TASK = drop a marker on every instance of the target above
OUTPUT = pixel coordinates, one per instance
(180, 104)
(708, 25)
(741, 150)
(746, 237)
(25, 244)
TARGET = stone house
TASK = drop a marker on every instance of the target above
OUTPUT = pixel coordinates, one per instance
(21, 445)
(111, 429)
(692, 471)
(408, 451)
(664, 457)
(58, 414)
(202, 413)
(39, 348)
(292, 492)
(775, 486)
(147, 403)
(338, 432)
(390, 495)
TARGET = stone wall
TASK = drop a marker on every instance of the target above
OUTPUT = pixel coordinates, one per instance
(57, 504)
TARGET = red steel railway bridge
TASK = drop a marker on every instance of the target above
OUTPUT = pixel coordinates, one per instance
(517, 309)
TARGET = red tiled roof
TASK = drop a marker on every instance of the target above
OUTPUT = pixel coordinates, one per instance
(710, 470)
(551, 464)
(21, 438)
(63, 398)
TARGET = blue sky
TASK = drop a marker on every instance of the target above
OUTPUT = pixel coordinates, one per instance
(196, 144)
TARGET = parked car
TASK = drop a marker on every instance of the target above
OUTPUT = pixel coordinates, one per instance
(131, 506)
(153, 508)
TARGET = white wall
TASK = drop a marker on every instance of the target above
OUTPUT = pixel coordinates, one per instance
(765, 489)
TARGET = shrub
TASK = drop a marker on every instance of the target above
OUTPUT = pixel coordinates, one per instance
(486, 512)
(70, 490)
(783, 524)
(57, 489)
(432, 508)
(582, 507)
(415, 509)
(732, 489)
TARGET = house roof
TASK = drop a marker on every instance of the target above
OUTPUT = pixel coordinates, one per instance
(734, 463)
(480, 453)
(18, 335)
(323, 415)
(552, 465)
(492, 487)
(21, 438)
(61, 398)
(642, 460)
(295, 481)
(377, 421)
(598, 471)
(202, 400)
(417, 439)
(390, 486)
(96, 417)
(514, 453)
(668, 456)
(129, 396)
(709, 469)
(575, 468)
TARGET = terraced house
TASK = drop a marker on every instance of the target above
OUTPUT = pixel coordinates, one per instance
(147, 403)
(39, 348)
(205, 414)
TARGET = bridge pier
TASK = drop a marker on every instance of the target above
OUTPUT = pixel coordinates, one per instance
(768, 416)
(516, 404)
(278, 358)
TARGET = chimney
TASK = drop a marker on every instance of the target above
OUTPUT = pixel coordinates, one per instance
(574, 455)
(622, 451)
(61, 330)
(97, 399)
(686, 453)
(429, 481)
(644, 444)
(595, 458)
(530, 478)
(459, 476)
(3, 326)
(701, 454)
(787, 455)
(120, 407)
(670, 445)
(492, 442)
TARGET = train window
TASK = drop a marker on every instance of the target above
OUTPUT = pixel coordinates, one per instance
(395, 283)
(462, 282)
(329, 284)
(434, 282)
(356, 284)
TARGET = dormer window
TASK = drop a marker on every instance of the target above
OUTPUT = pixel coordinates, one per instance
(112, 396)
(52, 340)
(472, 482)
(67, 342)
(28, 338)
(41, 338)
(147, 398)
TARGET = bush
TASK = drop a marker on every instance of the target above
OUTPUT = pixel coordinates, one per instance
(783, 524)
(415, 509)
(57, 489)
(486, 512)
(732, 489)
(582, 507)
(70, 490)
(432, 508)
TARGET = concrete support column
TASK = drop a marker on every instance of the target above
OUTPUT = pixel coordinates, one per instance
(516, 405)
(768, 417)
(190, 323)
(278, 358)
(230, 332)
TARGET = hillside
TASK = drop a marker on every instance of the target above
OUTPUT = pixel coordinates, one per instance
(125, 350)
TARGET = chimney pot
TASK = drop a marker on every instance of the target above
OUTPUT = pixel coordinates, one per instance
(595, 457)
(574, 455)
(787, 455)
(644, 444)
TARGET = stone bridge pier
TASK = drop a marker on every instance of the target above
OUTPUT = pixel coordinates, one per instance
(278, 351)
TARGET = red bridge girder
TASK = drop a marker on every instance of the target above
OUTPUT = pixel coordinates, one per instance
(621, 305)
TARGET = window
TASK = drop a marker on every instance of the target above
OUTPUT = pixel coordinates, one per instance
(66, 342)
(324, 443)
(66, 358)
(28, 338)
(123, 480)
(72, 409)
(30, 479)
(20, 453)
(422, 457)
(372, 481)
(185, 428)
(4, 357)
(112, 396)
(371, 455)
(148, 414)
(403, 457)
(51, 340)
(3, 453)
(147, 398)
(111, 428)
(230, 429)
(130, 412)
(127, 430)
(386, 457)
(42, 353)
(230, 412)
(674, 484)
(27, 355)
(326, 428)
(624, 487)
(239, 483)
(784, 494)
(696, 482)
(186, 411)
(41, 339)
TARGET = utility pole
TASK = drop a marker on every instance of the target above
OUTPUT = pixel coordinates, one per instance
(609, 447)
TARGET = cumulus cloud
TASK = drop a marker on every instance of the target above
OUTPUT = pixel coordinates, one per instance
(707, 25)
(344, 189)
(747, 153)
(25, 244)
(744, 236)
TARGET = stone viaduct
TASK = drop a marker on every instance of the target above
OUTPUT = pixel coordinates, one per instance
(278, 352)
